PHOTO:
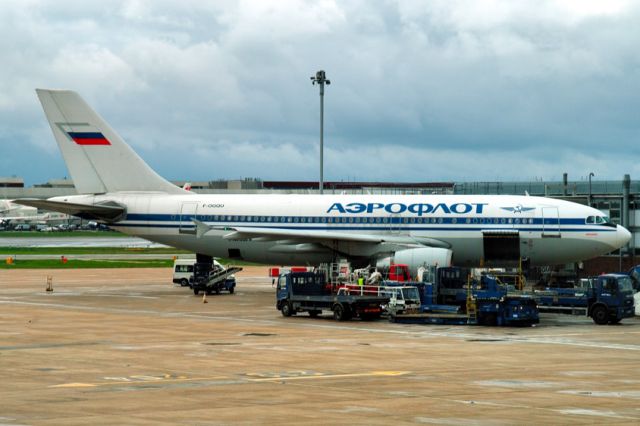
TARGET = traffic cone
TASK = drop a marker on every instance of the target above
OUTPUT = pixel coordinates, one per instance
(204, 297)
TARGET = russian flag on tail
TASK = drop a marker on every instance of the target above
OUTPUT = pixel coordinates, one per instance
(89, 138)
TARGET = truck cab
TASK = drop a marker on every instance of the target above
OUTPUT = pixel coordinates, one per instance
(610, 298)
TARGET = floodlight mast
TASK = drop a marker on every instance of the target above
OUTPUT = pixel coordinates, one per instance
(321, 79)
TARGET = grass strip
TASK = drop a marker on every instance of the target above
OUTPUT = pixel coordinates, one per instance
(70, 234)
(9, 251)
(87, 264)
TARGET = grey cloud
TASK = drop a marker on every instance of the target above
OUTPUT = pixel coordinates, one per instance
(531, 88)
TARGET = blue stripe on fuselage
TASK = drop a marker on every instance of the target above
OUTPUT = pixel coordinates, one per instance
(241, 219)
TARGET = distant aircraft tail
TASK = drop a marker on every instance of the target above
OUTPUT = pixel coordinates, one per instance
(98, 159)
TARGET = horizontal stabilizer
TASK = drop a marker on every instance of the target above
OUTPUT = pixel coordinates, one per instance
(108, 212)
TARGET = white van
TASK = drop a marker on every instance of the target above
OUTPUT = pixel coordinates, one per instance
(183, 271)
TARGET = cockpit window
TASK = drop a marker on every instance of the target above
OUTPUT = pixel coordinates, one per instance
(600, 220)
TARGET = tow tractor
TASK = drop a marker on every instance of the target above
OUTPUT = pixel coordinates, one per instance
(211, 277)
(607, 299)
(309, 292)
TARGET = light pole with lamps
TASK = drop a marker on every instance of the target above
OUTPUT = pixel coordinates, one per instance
(589, 200)
(321, 79)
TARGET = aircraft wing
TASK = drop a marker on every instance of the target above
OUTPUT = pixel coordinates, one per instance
(107, 212)
(293, 236)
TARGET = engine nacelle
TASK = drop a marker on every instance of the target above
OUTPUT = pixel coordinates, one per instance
(417, 257)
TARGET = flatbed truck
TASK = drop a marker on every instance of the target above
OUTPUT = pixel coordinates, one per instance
(308, 292)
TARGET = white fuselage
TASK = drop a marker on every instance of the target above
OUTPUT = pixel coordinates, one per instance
(547, 231)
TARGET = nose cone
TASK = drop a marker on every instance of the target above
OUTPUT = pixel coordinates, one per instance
(623, 236)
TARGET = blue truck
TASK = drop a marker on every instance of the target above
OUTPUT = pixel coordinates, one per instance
(607, 298)
(309, 292)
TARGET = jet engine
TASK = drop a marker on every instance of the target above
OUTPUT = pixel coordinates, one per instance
(417, 257)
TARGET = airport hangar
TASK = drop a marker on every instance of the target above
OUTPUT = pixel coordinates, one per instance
(620, 200)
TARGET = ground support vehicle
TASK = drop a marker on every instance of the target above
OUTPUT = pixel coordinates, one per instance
(402, 299)
(308, 292)
(213, 278)
(607, 299)
(485, 302)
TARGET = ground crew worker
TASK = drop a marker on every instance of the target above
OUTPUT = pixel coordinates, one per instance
(375, 278)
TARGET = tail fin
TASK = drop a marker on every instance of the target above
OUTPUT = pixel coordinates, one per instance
(98, 159)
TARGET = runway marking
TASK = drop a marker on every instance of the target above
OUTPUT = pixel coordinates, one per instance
(167, 378)
(332, 376)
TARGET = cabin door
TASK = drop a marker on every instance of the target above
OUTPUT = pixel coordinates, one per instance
(188, 212)
(550, 222)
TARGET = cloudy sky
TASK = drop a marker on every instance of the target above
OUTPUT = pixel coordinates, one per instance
(421, 91)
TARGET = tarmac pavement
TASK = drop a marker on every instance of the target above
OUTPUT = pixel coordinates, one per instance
(128, 347)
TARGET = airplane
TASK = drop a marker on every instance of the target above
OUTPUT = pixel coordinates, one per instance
(8, 208)
(11, 213)
(119, 189)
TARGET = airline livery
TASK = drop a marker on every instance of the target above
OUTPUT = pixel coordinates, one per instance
(118, 188)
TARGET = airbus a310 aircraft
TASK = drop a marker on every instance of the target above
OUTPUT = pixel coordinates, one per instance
(118, 188)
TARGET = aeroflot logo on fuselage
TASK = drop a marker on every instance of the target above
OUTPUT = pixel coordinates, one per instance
(417, 208)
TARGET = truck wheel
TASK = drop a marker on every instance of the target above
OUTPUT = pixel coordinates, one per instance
(196, 291)
(600, 315)
(613, 321)
(338, 313)
(184, 282)
(286, 309)
(314, 314)
(217, 290)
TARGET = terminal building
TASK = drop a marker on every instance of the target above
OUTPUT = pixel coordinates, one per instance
(618, 199)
